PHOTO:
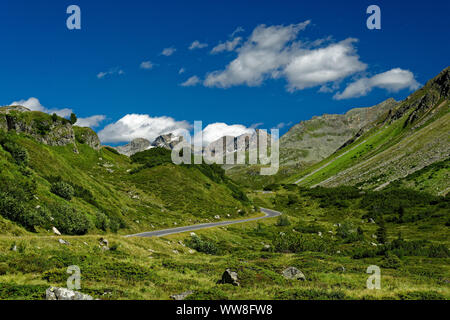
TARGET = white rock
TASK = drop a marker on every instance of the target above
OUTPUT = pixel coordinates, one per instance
(55, 293)
(56, 231)
(63, 241)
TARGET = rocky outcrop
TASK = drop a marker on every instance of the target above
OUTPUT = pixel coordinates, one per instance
(168, 141)
(41, 126)
(135, 146)
(87, 136)
(56, 293)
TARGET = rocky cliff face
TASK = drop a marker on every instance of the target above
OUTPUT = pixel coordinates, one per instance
(313, 140)
(39, 125)
(168, 141)
(49, 130)
(87, 136)
(135, 146)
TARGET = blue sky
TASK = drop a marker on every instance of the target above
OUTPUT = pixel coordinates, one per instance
(114, 65)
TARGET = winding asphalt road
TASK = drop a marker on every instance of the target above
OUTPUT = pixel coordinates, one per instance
(159, 233)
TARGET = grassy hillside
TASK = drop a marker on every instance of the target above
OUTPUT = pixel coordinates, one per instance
(412, 136)
(102, 191)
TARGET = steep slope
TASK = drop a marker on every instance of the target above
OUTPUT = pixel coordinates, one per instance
(412, 136)
(315, 139)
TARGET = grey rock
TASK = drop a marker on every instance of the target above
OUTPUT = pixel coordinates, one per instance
(56, 293)
(135, 146)
(56, 231)
(63, 241)
(167, 141)
(293, 273)
(181, 296)
(230, 277)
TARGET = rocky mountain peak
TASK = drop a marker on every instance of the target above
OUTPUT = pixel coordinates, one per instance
(135, 146)
(168, 141)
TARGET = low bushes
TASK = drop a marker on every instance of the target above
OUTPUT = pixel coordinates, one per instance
(202, 245)
(63, 189)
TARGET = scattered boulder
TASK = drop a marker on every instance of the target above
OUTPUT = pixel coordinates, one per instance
(230, 277)
(56, 293)
(56, 231)
(63, 241)
(181, 296)
(217, 217)
(293, 273)
(266, 247)
(14, 248)
(340, 269)
(104, 244)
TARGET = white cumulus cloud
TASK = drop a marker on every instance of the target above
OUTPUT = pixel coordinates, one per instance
(260, 57)
(392, 80)
(229, 45)
(147, 65)
(113, 71)
(133, 126)
(237, 30)
(192, 81)
(215, 131)
(168, 51)
(197, 45)
(92, 121)
(35, 105)
(273, 52)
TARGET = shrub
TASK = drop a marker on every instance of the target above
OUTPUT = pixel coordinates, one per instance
(294, 243)
(111, 149)
(68, 220)
(102, 222)
(63, 189)
(20, 212)
(73, 118)
(201, 245)
(381, 233)
(19, 153)
(283, 221)
(438, 251)
(391, 261)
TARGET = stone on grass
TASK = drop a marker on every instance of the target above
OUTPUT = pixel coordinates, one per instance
(56, 231)
(63, 241)
(230, 277)
(56, 293)
(181, 296)
(293, 273)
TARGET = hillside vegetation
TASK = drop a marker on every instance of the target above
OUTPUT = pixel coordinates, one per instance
(412, 136)
(79, 189)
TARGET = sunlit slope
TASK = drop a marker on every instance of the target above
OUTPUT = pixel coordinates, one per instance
(412, 136)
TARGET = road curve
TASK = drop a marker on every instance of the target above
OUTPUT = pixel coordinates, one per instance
(159, 233)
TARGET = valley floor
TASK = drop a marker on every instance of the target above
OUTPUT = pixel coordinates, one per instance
(310, 239)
